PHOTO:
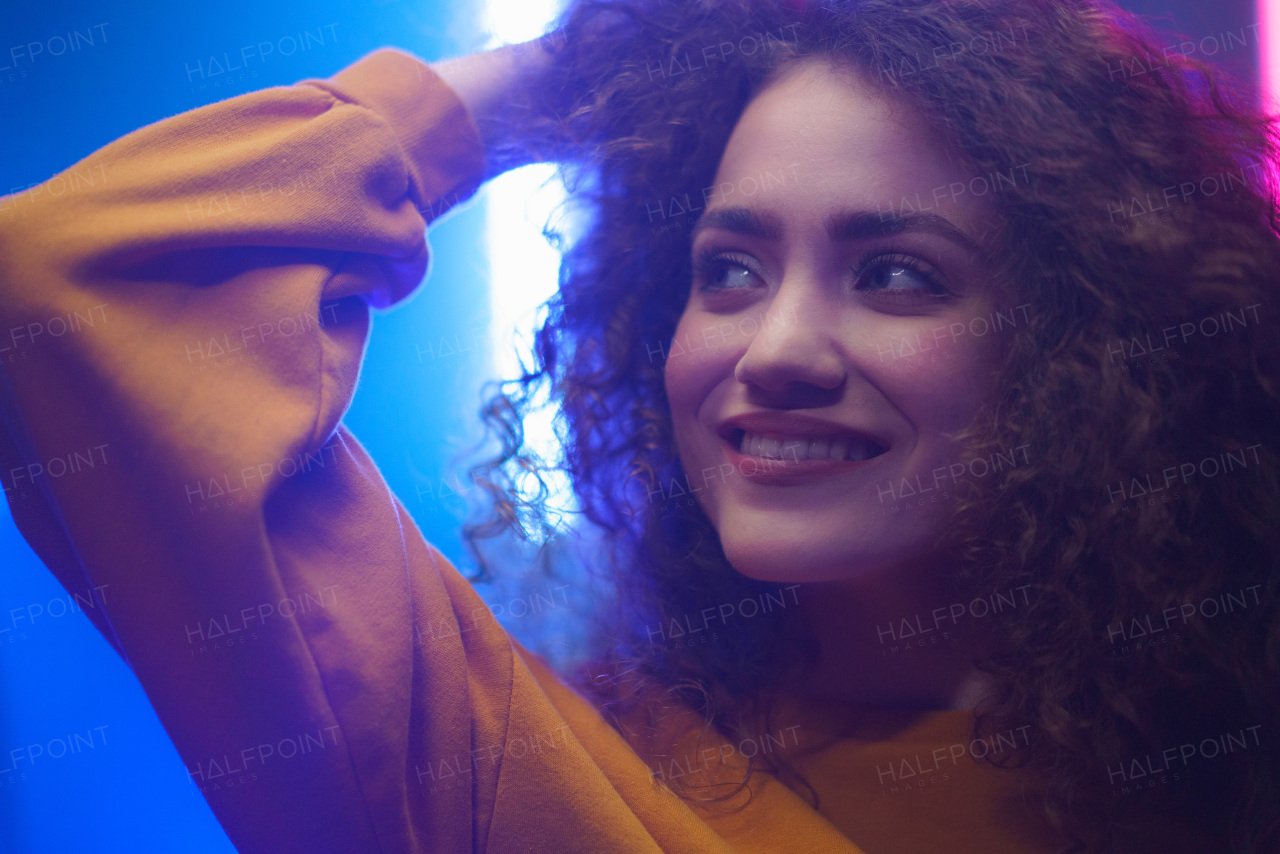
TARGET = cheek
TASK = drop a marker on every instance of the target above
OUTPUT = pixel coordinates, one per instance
(936, 381)
(700, 357)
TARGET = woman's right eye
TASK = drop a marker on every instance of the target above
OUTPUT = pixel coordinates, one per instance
(720, 272)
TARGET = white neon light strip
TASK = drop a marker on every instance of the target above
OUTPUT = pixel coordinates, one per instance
(522, 265)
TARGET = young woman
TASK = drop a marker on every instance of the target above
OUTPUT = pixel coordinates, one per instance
(942, 517)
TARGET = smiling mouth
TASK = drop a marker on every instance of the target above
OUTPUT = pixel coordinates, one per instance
(798, 449)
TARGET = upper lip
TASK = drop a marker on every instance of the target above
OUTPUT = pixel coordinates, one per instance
(791, 425)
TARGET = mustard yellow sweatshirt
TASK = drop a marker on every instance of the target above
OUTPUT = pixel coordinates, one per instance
(362, 697)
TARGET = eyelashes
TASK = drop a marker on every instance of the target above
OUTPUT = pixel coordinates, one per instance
(881, 277)
(899, 278)
(711, 269)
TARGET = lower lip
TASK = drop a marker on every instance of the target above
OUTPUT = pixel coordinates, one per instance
(770, 471)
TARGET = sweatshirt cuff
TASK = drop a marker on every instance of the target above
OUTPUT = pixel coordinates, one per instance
(446, 157)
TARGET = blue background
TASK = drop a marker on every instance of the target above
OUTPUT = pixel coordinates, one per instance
(130, 792)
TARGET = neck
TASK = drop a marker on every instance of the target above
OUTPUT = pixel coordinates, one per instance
(890, 641)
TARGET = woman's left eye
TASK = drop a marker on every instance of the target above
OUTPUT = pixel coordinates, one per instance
(900, 275)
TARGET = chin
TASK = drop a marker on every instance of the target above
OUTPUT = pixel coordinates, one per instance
(789, 559)
(790, 547)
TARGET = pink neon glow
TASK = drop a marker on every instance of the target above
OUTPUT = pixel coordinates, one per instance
(1269, 52)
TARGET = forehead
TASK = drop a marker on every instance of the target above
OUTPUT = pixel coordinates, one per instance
(840, 143)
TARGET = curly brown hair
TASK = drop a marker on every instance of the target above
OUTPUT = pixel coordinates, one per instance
(1150, 208)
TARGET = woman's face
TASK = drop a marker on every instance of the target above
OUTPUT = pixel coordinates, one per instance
(828, 346)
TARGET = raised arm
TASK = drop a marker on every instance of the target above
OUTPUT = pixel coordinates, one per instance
(185, 313)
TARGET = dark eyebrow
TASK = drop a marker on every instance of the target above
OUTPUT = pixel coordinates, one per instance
(857, 225)
(842, 227)
(743, 221)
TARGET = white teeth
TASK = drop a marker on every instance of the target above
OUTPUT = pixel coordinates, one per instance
(795, 449)
(856, 448)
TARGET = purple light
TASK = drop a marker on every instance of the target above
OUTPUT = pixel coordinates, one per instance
(1269, 52)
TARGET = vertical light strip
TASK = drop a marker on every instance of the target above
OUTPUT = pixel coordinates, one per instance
(1269, 52)
(523, 266)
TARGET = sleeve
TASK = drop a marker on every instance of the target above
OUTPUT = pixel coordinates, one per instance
(182, 320)
(183, 317)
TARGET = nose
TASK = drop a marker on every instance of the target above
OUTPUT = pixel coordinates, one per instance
(794, 354)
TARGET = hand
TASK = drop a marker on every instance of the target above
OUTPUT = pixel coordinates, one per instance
(496, 87)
